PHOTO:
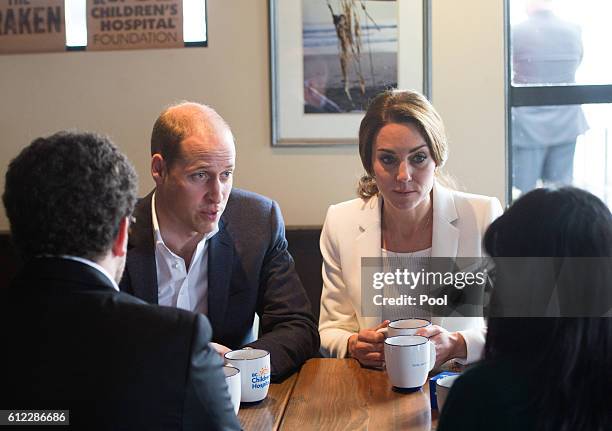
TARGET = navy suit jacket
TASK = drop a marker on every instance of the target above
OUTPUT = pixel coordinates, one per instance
(73, 342)
(249, 271)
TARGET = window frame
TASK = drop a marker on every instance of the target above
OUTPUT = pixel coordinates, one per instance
(540, 95)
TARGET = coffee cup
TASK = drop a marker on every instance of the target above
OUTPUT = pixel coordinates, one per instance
(406, 326)
(443, 386)
(234, 384)
(409, 359)
(254, 366)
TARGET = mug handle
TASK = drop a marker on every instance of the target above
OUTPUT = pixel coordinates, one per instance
(432, 355)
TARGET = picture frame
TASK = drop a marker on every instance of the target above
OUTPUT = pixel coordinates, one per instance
(294, 123)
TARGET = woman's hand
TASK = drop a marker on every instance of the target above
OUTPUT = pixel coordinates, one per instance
(449, 345)
(367, 346)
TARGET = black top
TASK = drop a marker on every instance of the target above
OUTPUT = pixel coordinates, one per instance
(493, 395)
(72, 342)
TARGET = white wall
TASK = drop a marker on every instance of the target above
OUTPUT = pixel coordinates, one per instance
(121, 93)
(468, 90)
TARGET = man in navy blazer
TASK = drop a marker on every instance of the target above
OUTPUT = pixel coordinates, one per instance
(200, 245)
(72, 341)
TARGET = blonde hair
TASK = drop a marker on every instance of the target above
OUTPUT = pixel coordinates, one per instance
(399, 106)
(179, 121)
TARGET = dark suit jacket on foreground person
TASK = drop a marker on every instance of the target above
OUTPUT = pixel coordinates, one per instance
(72, 342)
(249, 271)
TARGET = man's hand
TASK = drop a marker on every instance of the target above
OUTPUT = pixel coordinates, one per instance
(367, 346)
(221, 349)
(449, 345)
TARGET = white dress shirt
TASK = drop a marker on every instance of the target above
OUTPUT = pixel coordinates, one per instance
(177, 285)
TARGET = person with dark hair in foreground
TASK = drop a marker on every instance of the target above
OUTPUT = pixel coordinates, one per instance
(545, 373)
(71, 340)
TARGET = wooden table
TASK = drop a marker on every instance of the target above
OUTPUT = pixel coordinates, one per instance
(338, 394)
(267, 414)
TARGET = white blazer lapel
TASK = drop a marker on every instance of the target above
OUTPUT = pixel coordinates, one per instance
(445, 236)
(369, 239)
(368, 244)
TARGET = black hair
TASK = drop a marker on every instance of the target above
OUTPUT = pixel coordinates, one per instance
(552, 223)
(66, 195)
(570, 356)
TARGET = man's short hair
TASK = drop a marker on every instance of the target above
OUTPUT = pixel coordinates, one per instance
(66, 195)
(178, 122)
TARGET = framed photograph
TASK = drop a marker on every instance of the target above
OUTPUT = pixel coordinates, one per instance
(330, 57)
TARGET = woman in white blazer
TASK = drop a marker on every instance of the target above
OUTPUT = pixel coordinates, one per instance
(403, 210)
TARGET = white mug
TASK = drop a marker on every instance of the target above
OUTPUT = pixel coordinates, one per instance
(234, 384)
(443, 386)
(406, 326)
(254, 366)
(409, 359)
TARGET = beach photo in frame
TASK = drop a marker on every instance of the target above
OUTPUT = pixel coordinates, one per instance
(330, 57)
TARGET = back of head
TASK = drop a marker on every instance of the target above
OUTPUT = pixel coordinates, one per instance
(66, 195)
(534, 6)
(565, 222)
(400, 107)
(571, 353)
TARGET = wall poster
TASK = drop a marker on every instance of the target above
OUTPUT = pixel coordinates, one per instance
(134, 24)
(32, 26)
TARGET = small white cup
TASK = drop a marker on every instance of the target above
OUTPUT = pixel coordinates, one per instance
(234, 384)
(254, 366)
(443, 386)
(406, 326)
(409, 359)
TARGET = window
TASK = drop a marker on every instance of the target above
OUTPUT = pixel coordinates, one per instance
(559, 95)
